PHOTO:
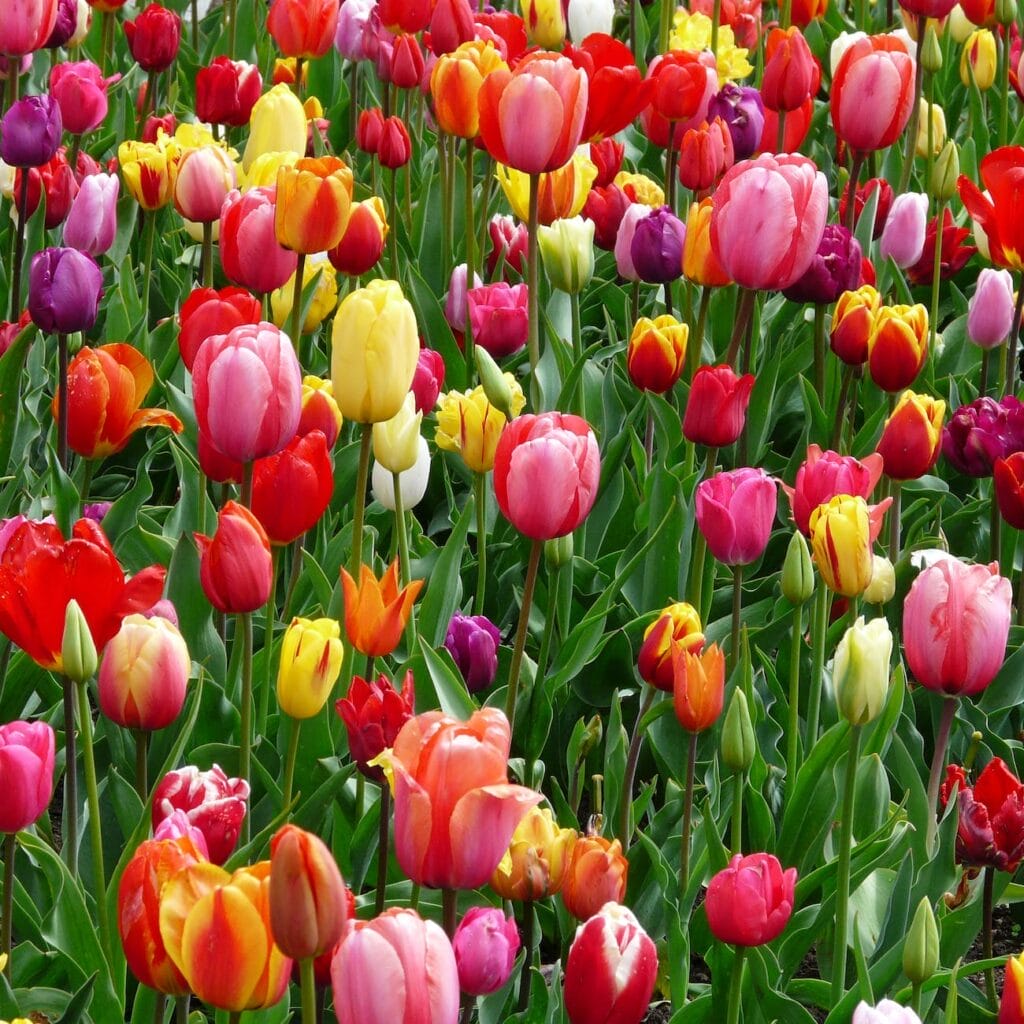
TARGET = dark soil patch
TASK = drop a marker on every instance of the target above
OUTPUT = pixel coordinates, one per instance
(1006, 942)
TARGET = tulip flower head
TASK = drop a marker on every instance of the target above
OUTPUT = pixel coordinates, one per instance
(912, 436)
(374, 713)
(596, 875)
(64, 290)
(473, 641)
(27, 28)
(823, 475)
(698, 686)
(886, 1012)
(235, 563)
(852, 322)
(313, 201)
(735, 512)
(750, 902)
(26, 773)
(992, 210)
(860, 672)
(979, 434)
(537, 858)
(376, 611)
(990, 311)
(311, 655)
(656, 353)
(990, 832)
(677, 627)
(840, 533)
(716, 411)
(485, 945)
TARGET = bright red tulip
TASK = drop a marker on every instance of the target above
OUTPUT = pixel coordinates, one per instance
(716, 410)
(303, 28)
(991, 824)
(235, 563)
(292, 489)
(994, 214)
(154, 38)
(226, 91)
(1008, 476)
(207, 312)
(750, 902)
(791, 73)
(407, 62)
(404, 15)
(374, 713)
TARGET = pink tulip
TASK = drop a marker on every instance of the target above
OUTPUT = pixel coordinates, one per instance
(735, 512)
(635, 213)
(249, 250)
(26, 773)
(823, 475)
(903, 235)
(485, 944)
(204, 180)
(81, 93)
(92, 221)
(546, 472)
(767, 219)
(176, 826)
(248, 391)
(611, 969)
(750, 902)
(990, 311)
(395, 969)
(26, 26)
(353, 27)
(956, 620)
(498, 315)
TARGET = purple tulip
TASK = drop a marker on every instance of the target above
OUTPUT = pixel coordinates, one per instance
(455, 300)
(835, 269)
(65, 25)
(64, 290)
(472, 641)
(990, 311)
(30, 132)
(742, 109)
(657, 247)
(979, 433)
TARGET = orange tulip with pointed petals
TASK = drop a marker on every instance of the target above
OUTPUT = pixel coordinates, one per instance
(106, 387)
(699, 686)
(376, 611)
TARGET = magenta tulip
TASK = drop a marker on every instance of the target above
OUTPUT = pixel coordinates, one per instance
(735, 512)
(750, 902)
(26, 773)
(91, 225)
(81, 93)
(249, 250)
(498, 316)
(485, 944)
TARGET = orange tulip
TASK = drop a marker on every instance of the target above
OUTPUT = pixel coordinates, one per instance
(216, 928)
(455, 84)
(596, 875)
(303, 28)
(700, 264)
(678, 624)
(376, 611)
(314, 198)
(106, 386)
(852, 321)
(699, 688)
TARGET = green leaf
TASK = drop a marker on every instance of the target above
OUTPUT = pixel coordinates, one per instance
(449, 687)
(444, 590)
(12, 364)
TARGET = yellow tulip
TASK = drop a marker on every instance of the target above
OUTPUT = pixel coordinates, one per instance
(263, 170)
(534, 865)
(561, 193)
(938, 129)
(567, 251)
(841, 544)
(640, 188)
(325, 295)
(467, 423)
(455, 85)
(978, 59)
(545, 22)
(148, 173)
(311, 655)
(277, 124)
(396, 441)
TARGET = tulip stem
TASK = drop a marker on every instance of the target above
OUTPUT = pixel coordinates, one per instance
(995, 529)
(700, 545)
(95, 824)
(844, 396)
(744, 311)
(308, 990)
(533, 297)
(62, 401)
(524, 974)
(1011, 344)
(480, 493)
(986, 910)
(195, 25)
(449, 911)
(405, 572)
(793, 736)
(19, 245)
(359, 501)
(938, 760)
(737, 605)
(245, 753)
(141, 763)
(819, 353)
(632, 757)
(470, 254)
(12, 91)
(268, 640)
(10, 848)
(393, 213)
(536, 548)
(649, 437)
(668, 8)
(577, 352)
(933, 319)
(159, 1007)
(181, 1009)
(736, 986)
(69, 822)
(695, 353)
(684, 839)
(843, 868)
(894, 521)
(716, 18)
(819, 632)
(148, 238)
(294, 728)
(235, 1017)
(295, 325)
(383, 844)
(915, 116)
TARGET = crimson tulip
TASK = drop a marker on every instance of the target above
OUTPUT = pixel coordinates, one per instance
(990, 832)
(617, 91)
(292, 489)
(1008, 475)
(154, 38)
(716, 410)
(374, 713)
(226, 91)
(208, 312)
(791, 73)
(235, 563)
(750, 902)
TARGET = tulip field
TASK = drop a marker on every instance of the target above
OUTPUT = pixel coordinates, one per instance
(511, 511)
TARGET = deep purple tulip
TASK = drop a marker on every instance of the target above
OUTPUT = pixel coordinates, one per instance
(835, 269)
(30, 132)
(65, 25)
(979, 433)
(742, 109)
(472, 641)
(64, 289)
(657, 247)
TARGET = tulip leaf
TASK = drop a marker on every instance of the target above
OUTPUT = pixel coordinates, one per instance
(451, 691)
(444, 589)
(12, 364)
(78, 1003)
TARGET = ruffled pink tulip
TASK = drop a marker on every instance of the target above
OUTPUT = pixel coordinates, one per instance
(81, 93)
(26, 773)
(823, 475)
(91, 225)
(611, 969)
(249, 250)
(767, 219)
(735, 512)
(455, 810)
(750, 902)
(248, 391)
(956, 620)
(546, 472)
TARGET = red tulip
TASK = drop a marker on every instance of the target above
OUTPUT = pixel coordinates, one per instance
(428, 379)
(226, 91)
(374, 713)
(394, 149)
(207, 312)
(716, 410)
(1008, 474)
(249, 251)
(303, 28)
(404, 15)
(606, 207)
(791, 73)
(292, 489)
(705, 154)
(363, 242)
(154, 38)
(235, 564)
(750, 902)
(451, 24)
(407, 62)
(860, 200)
(369, 128)
(952, 257)
(683, 86)
(991, 827)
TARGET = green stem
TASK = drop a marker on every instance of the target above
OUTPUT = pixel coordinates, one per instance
(95, 824)
(235, 1016)
(793, 736)
(7, 920)
(394, 213)
(294, 728)
(915, 998)
(533, 296)
(736, 981)
(894, 521)
(269, 613)
(700, 545)
(308, 990)
(19, 245)
(695, 353)
(231, 11)
(62, 402)
(738, 781)
(851, 191)
(207, 252)
(295, 325)
(141, 764)
(716, 18)
(737, 605)
(579, 398)
(445, 170)
(480, 492)
(915, 113)
(843, 868)
(536, 548)
(359, 501)
(684, 839)
(649, 435)
(383, 845)
(938, 761)
(986, 910)
(70, 819)
(195, 25)
(524, 974)
(933, 319)
(668, 8)
(1010, 370)
(159, 1008)
(626, 808)
(819, 351)
(181, 1009)
(744, 311)
(245, 752)
(405, 573)
(819, 632)
(470, 254)
(449, 910)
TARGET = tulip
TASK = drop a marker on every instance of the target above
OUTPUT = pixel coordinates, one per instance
(395, 969)
(824, 475)
(735, 512)
(363, 241)
(992, 211)
(144, 674)
(485, 946)
(698, 686)
(303, 471)
(511, 100)
(912, 436)
(248, 388)
(412, 483)
(586, 17)
(852, 322)
(595, 875)
(394, 149)
(864, 192)
(469, 424)
(791, 74)
(567, 249)
(742, 110)
(368, 130)
(91, 224)
(376, 611)
(148, 173)
(54, 180)
(535, 863)
(30, 131)
(249, 250)
(784, 201)
(374, 346)
(498, 315)
(700, 264)
(560, 449)
(302, 28)
(835, 268)
(561, 194)
(937, 130)
(206, 313)
(1008, 474)
(428, 379)
(456, 301)
(374, 713)
(277, 124)
(226, 91)
(26, 773)
(656, 247)
(683, 85)
(677, 627)
(235, 564)
(860, 672)
(705, 154)
(473, 641)
(395, 441)
(154, 37)
(204, 178)
(897, 346)
(982, 432)
(407, 62)
(311, 654)
(81, 93)
(451, 25)
(991, 820)
(27, 27)
(203, 909)
(656, 353)
(903, 236)
(64, 290)
(319, 410)
(872, 93)
(41, 573)
(1011, 1005)
(978, 60)
(634, 214)
(404, 15)
(886, 1012)
(607, 156)
(956, 619)
(841, 543)
(717, 407)
(318, 274)
(606, 207)
(508, 244)
(750, 902)
(611, 969)
(545, 22)
(990, 311)
(65, 28)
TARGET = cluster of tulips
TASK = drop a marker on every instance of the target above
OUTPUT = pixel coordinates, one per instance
(395, 397)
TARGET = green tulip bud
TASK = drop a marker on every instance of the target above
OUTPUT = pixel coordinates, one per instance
(591, 737)
(738, 734)
(78, 651)
(567, 251)
(921, 951)
(945, 172)
(494, 382)
(797, 571)
(861, 670)
(558, 552)
(1006, 11)
(931, 52)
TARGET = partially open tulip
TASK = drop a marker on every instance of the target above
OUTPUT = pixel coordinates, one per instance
(983, 431)
(903, 235)
(538, 855)
(698, 686)
(64, 290)
(303, 28)
(144, 673)
(611, 969)
(27, 27)
(26, 773)
(705, 154)
(249, 250)
(735, 512)
(455, 84)
(469, 424)
(990, 832)
(852, 321)
(840, 533)
(912, 436)
(656, 353)
(395, 969)
(374, 713)
(455, 810)
(226, 91)
(277, 124)
(596, 875)
(750, 902)
(993, 210)
(311, 654)
(376, 611)
(204, 179)
(485, 944)
(235, 564)
(990, 311)
(677, 627)
(742, 110)
(823, 475)
(148, 171)
(791, 73)
(956, 619)
(81, 93)
(897, 346)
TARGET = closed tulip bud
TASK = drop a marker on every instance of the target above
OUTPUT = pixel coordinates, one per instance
(368, 129)
(912, 436)
(91, 224)
(852, 322)
(791, 73)
(903, 235)
(545, 22)
(750, 902)
(363, 242)
(596, 875)
(677, 626)
(313, 202)
(78, 650)
(319, 411)
(860, 672)
(841, 542)
(321, 302)
(473, 641)
(797, 571)
(705, 154)
(249, 250)
(611, 969)
(64, 290)
(990, 311)
(277, 124)
(311, 655)
(154, 38)
(205, 177)
(931, 52)
(738, 742)
(396, 441)
(897, 346)
(921, 950)
(558, 552)
(607, 157)
(501, 389)
(567, 250)
(394, 149)
(735, 512)
(235, 564)
(451, 25)
(978, 60)
(656, 353)
(30, 131)
(883, 581)
(406, 62)
(698, 686)
(144, 673)
(937, 133)
(485, 944)
(946, 173)
(303, 28)
(428, 379)
(308, 909)
(26, 772)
